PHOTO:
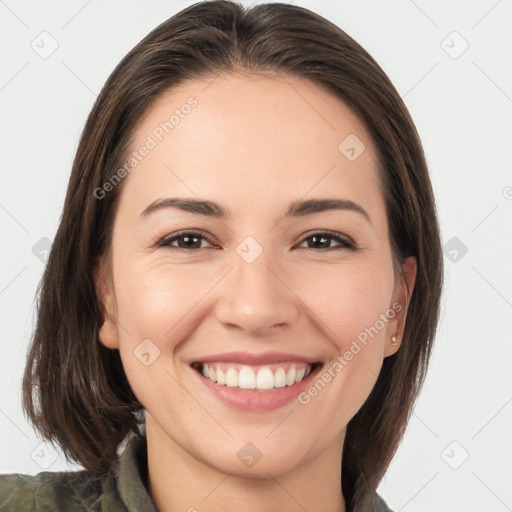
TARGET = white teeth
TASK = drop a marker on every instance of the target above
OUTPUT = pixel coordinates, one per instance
(249, 378)
(300, 374)
(212, 374)
(265, 379)
(232, 378)
(290, 377)
(246, 378)
(221, 377)
(280, 378)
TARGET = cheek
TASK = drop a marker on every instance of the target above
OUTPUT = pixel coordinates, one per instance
(160, 302)
(158, 309)
(163, 302)
(349, 300)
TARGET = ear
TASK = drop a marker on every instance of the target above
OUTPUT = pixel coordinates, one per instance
(403, 292)
(108, 334)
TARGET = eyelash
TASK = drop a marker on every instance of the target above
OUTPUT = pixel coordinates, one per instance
(345, 243)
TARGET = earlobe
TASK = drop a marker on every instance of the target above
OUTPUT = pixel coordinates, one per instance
(108, 334)
(406, 288)
(392, 345)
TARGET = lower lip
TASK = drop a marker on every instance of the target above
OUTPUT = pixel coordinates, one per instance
(257, 401)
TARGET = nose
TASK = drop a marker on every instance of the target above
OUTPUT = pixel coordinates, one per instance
(256, 299)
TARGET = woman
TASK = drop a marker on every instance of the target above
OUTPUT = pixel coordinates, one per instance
(241, 298)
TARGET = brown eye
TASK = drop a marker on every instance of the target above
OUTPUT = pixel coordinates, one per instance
(321, 241)
(186, 241)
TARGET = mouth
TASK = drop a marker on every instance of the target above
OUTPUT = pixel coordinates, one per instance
(258, 384)
(256, 378)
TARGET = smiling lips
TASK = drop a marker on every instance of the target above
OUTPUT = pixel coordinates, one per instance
(260, 372)
(256, 382)
(261, 378)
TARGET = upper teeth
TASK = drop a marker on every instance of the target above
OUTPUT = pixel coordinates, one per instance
(248, 378)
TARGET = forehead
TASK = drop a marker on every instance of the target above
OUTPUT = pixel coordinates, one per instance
(248, 136)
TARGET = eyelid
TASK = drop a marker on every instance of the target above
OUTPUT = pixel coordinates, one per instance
(167, 239)
(344, 241)
(348, 241)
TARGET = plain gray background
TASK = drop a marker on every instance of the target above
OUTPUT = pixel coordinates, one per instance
(457, 452)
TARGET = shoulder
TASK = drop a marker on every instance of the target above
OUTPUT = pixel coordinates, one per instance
(380, 505)
(123, 487)
(77, 491)
(370, 502)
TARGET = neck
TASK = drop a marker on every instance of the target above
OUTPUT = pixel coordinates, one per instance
(179, 481)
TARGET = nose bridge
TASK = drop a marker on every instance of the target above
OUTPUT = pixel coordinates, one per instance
(254, 296)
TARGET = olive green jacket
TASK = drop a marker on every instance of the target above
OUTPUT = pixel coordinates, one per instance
(124, 489)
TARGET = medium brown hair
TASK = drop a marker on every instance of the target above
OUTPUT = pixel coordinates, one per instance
(74, 388)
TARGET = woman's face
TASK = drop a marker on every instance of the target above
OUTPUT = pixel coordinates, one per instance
(273, 283)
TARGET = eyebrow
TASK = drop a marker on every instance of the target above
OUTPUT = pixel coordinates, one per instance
(197, 206)
(295, 209)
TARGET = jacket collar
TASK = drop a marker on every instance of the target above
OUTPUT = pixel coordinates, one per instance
(131, 476)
